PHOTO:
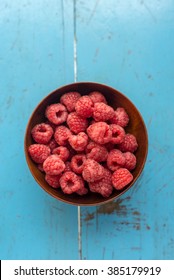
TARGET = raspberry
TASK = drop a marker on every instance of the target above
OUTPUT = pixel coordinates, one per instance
(70, 182)
(102, 112)
(121, 117)
(118, 134)
(92, 170)
(69, 99)
(56, 113)
(97, 96)
(82, 190)
(61, 135)
(42, 133)
(67, 166)
(39, 152)
(77, 163)
(114, 120)
(52, 144)
(62, 152)
(53, 180)
(78, 142)
(121, 178)
(76, 123)
(100, 132)
(97, 152)
(129, 143)
(84, 106)
(103, 186)
(115, 159)
(40, 167)
(130, 162)
(53, 165)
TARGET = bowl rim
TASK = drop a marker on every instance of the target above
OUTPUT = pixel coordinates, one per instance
(109, 199)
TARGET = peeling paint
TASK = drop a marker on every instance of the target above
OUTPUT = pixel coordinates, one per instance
(109, 208)
(147, 227)
(150, 77)
(114, 206)
(57, 208)
(129, 52)
(137, 226)
(136, 248)
(9, 102)
(136, 213)
(89, 216)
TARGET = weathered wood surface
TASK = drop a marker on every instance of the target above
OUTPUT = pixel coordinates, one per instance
(127, 45)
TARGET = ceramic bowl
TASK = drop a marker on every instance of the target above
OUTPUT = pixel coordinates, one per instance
(116, 99)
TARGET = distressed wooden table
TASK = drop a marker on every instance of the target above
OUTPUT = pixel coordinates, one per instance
(127, 45)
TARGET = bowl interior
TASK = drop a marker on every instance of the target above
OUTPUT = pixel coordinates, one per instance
(116, 99)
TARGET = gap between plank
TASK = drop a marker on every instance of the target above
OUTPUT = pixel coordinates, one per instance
(75, 80)
(75, 44)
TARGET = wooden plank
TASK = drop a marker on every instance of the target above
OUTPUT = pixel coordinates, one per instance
(129, 45)
(36, 56)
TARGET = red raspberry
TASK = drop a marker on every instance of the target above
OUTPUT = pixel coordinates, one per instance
(40, 167)
(84, 106)
(129, 143)
(62, 134)
(69, 99)
(53, 165)
(52, 144)
(62, 152)
(100, 132)
(76, 123)
(56, 113)
(102, 112)
(67, 166)
(53, 180)
(97, 96)
(39, 152)
(77, 163)
(97, 152)
(103, 186)
(70, 182)
(82, 190)
(118, 134)
(131, 160)
(42, 133)
(92, 171)
(121, 178)
(121, 117)
(78, 142)
(115, 159)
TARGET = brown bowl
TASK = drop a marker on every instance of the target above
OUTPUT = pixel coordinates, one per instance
(136, 126)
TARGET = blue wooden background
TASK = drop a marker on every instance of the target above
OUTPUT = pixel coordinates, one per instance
(128, 45)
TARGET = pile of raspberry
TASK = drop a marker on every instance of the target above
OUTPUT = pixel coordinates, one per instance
(83, 146)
